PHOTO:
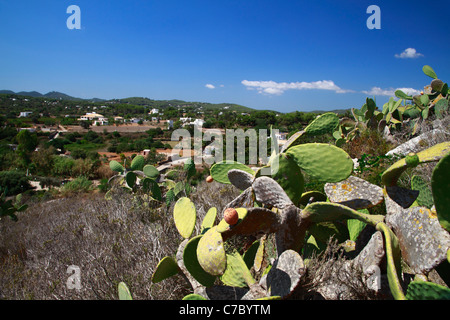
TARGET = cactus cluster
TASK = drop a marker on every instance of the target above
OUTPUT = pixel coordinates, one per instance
(8, 208)
(414, 233)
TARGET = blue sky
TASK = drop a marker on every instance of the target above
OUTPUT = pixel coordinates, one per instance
(265, 54)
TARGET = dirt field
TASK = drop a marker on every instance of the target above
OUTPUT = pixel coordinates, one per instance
(125, 128)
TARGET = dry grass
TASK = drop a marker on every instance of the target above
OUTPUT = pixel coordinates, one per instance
(105, 239)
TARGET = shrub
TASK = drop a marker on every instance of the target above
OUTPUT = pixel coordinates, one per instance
(14, 182)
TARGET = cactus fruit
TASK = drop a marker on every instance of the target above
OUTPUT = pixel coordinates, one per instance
(325, 123)
(420, 290)
(209, 179)
(137, 163)
(440, 184)
(185, 215)
(116, 166)
(219, 171)
(193, 266)
(211, 253)
(124, 292)
(166, 268)
(322, 161)
(231, 216)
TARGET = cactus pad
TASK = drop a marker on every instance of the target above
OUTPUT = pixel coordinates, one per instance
(423, 241)
(286, 273)
(240, 179)
(425, 198)
(211, 253)
(322, 161)
(124, 292)
(166, 268)
(269, 192)
(435, 153)
(325, 123)
(440, 184)
(185, 215)
(219, 171)
(116, 166)
(209, 219)
(237, 274)
(419, 290)
(292, 141)
(191, 263)
(311, 196)
(130, 178)
(355, 193)
(137, 163)
(289, 177)
(150, 171)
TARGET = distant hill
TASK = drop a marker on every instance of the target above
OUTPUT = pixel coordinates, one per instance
(50, 95)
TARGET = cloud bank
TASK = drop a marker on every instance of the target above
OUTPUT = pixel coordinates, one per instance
(409, 53)
(277, 88)
(377, 91)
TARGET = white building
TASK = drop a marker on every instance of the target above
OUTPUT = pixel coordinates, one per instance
(154, 111)
(25, 113)
(96, 118)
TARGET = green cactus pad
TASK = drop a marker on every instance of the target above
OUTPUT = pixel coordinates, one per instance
(250, 254)
(209, 219)
(435, 153)
(324, 162)
(237, 274)
(170, 196)
(130, 178)
(185, 215)
(355, 193)
(393, 256)
(150, 185)
(440, 184)
(429, 71)
(289, 177)
(292, 141)
(194, 296)
(137, 163)
(191, 263)
(150, 171)
(116, 166)
(166, 268)
(325, 123)
(326, 211)
(211, 253)
(312, 196)
(420, 290)
(425, 198)
(219, 171)
(189, 167)
(124, 292)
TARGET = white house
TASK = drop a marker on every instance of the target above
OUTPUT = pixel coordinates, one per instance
(154, 111)
(25, 113)
(95, 117)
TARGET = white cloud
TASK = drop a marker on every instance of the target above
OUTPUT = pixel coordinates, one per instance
(210, 86)
(377, 91)
(277, 88)
(409, 53)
